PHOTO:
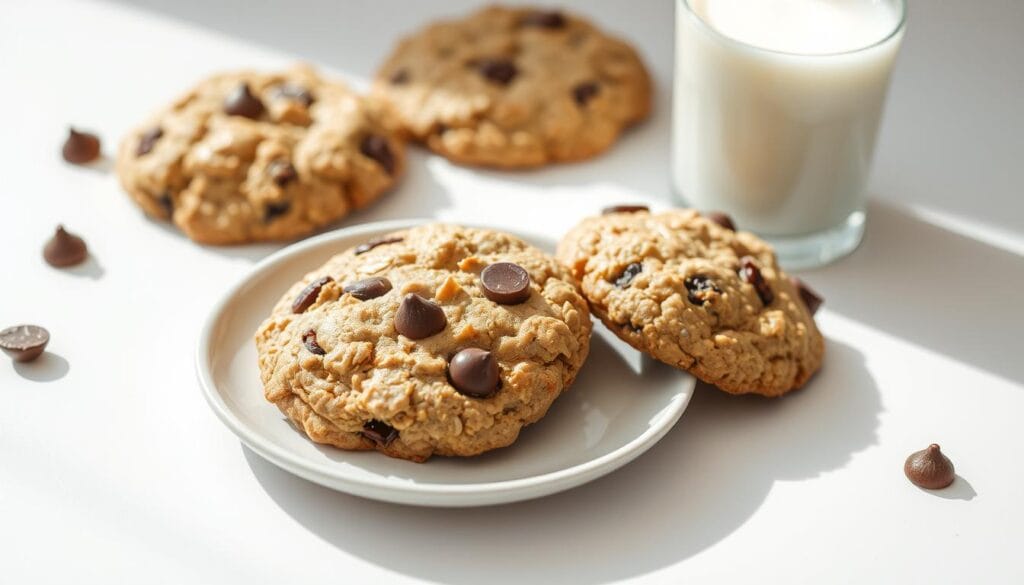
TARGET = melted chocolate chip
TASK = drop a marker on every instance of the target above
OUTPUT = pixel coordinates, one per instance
(586, 91)
(380, 432)
(505, 283)
(275, 210)
(148, 140)
(498, 70)
(551, 19)
(418, 318)
(81, 147)
(624, 209)
(750, 272)
(368, 288)
(811, 299)
(281, 172)
(629, 274)
(309, 340)
(929, 468)
(64, 249)
(366, 247)
(308, 295)
(721, 219)
(166, 203)
(291, 91)
(699, 289)
(377, 148)
(24, 343)
(242, 102)
(474, 372)
(400, 77)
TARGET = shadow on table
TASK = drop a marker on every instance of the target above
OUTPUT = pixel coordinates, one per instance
(698, 485)
(48, 367)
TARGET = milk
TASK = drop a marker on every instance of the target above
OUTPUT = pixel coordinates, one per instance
(777, 106)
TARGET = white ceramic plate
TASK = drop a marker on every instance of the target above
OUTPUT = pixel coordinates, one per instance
(618, 408)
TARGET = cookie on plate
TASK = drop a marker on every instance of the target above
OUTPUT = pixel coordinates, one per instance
(438, 340)
(515, 87)
(698, 296)
(248, 156)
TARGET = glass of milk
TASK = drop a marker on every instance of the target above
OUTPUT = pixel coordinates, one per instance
(777, 106)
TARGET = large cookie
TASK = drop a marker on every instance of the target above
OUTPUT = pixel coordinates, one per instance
(515, 87)
(698, 296)
(399, 346)
(250, 156)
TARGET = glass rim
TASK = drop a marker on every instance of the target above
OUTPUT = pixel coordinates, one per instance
(900, 25)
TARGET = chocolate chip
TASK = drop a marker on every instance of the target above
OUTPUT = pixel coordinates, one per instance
(148, 140)
(400, 77)
(699, 289)
(166, 203)
(544, 19)
(275, 210)
(500, 71)
(505, 283)
(290, 91)
(811, 299)
(81, 147)
(418, 318)
(377, 148)
(241, 102)
(368, 288)
(366, 247)
(281, 172)
(380, 432)
(64, 249)
(721, 219)
(309, 340)
(474, 372)
(308, 295)
(624, 209)
(751, 273)
(24, 343)
(629, 274)
(585, 92)
(929, 468)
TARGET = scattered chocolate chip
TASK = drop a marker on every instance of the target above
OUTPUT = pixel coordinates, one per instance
(474, 372)
(751, 273)
(929, 468)
(241, 102)
(811, 299)
(721, 219)
(629, 274)
(368, 288)
(400, 77)
(544, 19)
(275, 210)
(699, 289)
(290, 91)
(500, 71)
(166, 203)
(308, 295)
(81, 147)
(624, 209)
(585, 92)
(148, 140)
(366, 247)
(64, 249)
(418, 318)
(281, 172)
(24, 343)
(380, 432)
(309, 340)
(505, 283)
(377, 148)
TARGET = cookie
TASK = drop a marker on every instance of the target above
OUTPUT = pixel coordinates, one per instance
(438, 340)
(515, 87)
(698, 296)
(248, 156)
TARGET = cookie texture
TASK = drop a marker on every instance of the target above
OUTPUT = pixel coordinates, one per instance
(355, 363)
(515, 87)
(697, 296)
(249, 156)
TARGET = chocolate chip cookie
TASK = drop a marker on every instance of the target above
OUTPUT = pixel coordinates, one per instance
(515, 87)
(248, 156)
(699, 296)
(436, 340)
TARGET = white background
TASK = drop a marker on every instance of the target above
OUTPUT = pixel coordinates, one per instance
(113, 469)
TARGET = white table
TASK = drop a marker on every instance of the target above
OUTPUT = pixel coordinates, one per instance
(113, 469)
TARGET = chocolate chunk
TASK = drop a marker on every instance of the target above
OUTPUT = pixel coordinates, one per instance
(400, 77)
(81, 147)
(418, 318)
(751, 273)
(166, 203)
(699, 289)
(585, 91)
(148, 140)
(721, 219)
(624, 209)
(500, 71)
(811, 299)
(241, 102)
(281, 172)
(544, 19)
(64, 249)
(24, 343)
(368, 288)
(308, 295)
(929, 468)
(505, 283)
(309, 340)
(380, 432)
(474, 372)
(366, 247)
(275, 210)
(377, 148)
(629, 274)
(290, 91)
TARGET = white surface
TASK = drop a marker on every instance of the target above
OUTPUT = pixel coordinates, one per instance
(587, 433)
(113, 470)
